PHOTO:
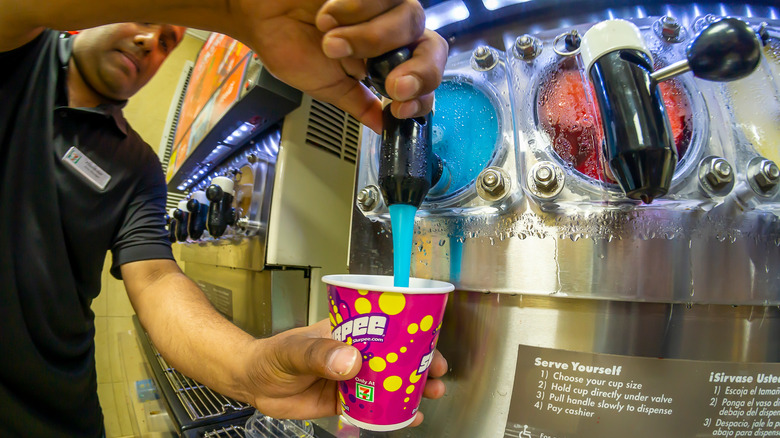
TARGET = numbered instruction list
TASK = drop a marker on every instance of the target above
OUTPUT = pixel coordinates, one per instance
(570, 394)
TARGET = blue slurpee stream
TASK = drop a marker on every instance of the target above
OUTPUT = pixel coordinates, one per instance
(402, 223)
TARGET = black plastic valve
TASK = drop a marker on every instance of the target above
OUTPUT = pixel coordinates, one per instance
(199, 213)
(221, 213)
(171, 228)
(378, 68)
(181, 217)
(408, 168)
(639, 146)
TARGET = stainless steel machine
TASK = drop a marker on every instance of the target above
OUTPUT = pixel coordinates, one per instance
(581, 310)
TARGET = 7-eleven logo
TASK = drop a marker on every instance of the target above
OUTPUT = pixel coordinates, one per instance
(365, 392)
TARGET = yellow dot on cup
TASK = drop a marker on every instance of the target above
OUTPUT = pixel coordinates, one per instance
(414, 378)
(410, 389)
(377, 364)
(363, 292)
(406, 400)
(403, 349)
(393, 383)
(412, 329)
(339, 319)
(362, 305)
(392, 303)
(426, 323)
(392, 357)
(332, 321)
(349, 341)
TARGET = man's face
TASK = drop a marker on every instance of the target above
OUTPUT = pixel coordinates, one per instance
(116, 60)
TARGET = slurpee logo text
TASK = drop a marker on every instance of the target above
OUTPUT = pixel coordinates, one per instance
(364, 326)
(425, 363)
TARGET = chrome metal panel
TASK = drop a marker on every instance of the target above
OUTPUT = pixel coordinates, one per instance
(250, 292)
(240, 253)
(261, 302)
(648, 255)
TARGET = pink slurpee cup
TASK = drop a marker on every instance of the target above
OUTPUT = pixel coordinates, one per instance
(396, 329)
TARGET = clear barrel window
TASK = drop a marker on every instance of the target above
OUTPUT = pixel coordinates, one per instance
(465, 131)
(567, 113)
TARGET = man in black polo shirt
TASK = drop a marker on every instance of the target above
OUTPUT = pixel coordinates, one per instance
(76, 181)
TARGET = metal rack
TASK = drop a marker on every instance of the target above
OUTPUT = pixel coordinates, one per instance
(226, 432)
(193, 408)
(199, 401)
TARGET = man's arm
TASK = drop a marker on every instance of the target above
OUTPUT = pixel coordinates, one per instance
(316, 46)
(290, 375)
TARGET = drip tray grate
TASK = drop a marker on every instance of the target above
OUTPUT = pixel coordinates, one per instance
(199, 401)
(226, 432)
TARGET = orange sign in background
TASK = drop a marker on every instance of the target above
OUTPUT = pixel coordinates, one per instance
(214, 86)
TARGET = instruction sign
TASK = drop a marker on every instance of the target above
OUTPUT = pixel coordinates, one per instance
(566, 394)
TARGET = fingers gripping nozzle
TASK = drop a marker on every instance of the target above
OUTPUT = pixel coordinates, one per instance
(408, 168)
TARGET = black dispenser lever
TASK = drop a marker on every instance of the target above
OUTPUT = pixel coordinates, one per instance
(221, 211)
(181, 216)
(639, 146)
(198, 206)
(408, 168)
(726, 50)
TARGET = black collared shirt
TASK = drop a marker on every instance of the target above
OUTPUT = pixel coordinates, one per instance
(55, 228)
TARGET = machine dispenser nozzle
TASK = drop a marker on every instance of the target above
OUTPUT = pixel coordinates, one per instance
(198, 206)
(221, 211)
(181, 215)
(169, 219)
(408, 168)
(639, 147)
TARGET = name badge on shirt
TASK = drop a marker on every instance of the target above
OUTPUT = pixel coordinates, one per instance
(86, 167)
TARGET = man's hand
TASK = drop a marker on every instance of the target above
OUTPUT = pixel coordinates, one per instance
(295, 374)
(320, 48)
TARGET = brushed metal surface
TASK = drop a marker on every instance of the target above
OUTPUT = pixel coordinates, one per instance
(235, 252)
(652, 255)
(261, 302)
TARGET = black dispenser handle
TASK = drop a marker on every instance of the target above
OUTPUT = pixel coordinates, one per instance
(199, 212)
(221, 212)
(638, 143)
(726, 50)
(171, 227)
(181, 215)
(408, 168)
(378, 68)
